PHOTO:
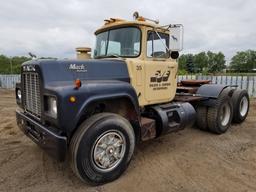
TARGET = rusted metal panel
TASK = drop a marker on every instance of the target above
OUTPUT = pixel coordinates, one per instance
(148, 128)
(193, 82)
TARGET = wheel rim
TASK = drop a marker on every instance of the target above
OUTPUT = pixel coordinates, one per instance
(225, 113)
(108, 150)
(243, 106)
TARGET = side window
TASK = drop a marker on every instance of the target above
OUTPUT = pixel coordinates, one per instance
(136, 47)
(156, 47)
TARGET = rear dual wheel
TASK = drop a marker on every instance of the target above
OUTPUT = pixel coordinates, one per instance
(216, 118)
(201, 117)
(220, 115)
(240, 100)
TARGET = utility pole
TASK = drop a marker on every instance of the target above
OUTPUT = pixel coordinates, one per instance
(10, 59)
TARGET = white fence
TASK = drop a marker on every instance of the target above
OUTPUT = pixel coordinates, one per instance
(244, 82)
(9, 81)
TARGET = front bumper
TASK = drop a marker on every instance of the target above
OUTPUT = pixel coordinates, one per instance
(53, 143)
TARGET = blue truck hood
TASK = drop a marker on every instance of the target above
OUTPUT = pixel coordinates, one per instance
(57, 71)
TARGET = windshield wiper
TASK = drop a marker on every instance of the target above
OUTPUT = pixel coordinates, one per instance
(109, 56)
(113, 55)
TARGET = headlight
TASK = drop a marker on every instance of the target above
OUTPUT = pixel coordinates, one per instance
(52, 107)
(18, 94)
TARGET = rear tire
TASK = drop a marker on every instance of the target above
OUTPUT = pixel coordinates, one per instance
(241, 103)
(101, 148)
(201, 117)
(219, 116)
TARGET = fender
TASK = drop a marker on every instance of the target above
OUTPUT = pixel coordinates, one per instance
(91, 91)
(212, 92)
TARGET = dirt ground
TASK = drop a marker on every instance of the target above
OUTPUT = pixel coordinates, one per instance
(189, 160)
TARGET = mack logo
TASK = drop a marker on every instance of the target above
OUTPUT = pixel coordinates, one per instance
(77, 68)
(160, 77)
(29, 68)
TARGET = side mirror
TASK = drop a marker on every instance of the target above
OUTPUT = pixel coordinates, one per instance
(176, 37)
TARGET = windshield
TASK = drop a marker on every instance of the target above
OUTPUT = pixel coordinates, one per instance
(121, 42)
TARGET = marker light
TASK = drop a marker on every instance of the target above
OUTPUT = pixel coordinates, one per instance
(141, 18)
(78, 83)
(72, 99)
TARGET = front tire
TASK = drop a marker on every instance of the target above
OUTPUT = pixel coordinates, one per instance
(101, 148)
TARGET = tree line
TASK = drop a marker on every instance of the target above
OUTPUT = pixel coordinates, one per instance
(203, 62)
(11, 65)
(210, 62)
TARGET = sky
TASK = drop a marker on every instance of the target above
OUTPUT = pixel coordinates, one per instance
(54, 28)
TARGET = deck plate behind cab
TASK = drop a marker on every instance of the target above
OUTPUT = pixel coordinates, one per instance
(194, 82)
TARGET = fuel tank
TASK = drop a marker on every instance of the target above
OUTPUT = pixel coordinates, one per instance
(172, 117)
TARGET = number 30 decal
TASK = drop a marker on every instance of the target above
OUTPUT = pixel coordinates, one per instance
(138, 67)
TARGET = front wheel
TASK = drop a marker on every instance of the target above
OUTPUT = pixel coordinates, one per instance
(101, 148)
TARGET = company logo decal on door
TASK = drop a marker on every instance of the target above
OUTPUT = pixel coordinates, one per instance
(159, 80)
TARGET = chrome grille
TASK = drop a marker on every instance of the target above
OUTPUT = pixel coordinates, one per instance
(31, 93)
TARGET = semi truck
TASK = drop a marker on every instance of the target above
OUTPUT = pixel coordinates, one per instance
(92, 112)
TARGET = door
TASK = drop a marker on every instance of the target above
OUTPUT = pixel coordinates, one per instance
(160, 71)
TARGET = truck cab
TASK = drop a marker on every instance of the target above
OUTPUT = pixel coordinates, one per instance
(97, 109)
(145, 48)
